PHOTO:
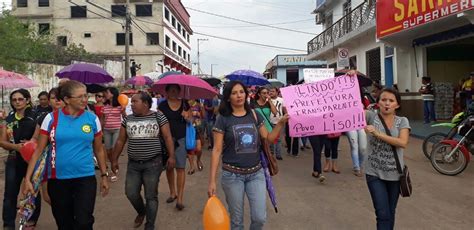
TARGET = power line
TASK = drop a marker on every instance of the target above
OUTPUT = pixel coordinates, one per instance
(230, 39)
(250, 43)
(102, 16)
(240, 26)
(249, 22)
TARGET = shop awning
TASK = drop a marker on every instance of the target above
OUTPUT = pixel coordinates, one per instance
(445, 36)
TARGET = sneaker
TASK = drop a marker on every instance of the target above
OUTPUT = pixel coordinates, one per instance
(322, 179)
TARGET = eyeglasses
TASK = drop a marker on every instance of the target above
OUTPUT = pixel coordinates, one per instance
(99, 96)
(21, 99)
(85, 96)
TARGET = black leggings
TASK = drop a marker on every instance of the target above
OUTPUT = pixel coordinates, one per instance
(317, 146)
(330, 148)
(292, 148)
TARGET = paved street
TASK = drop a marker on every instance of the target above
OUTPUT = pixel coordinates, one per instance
(438, 202)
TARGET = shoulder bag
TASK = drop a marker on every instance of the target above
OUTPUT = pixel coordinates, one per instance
(265, 147)
(405, 181)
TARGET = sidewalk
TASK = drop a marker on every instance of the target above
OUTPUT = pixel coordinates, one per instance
(421, 130)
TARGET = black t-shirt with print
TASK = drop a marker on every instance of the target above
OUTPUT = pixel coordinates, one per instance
(241, 139)
(177, 122)
(22, 129)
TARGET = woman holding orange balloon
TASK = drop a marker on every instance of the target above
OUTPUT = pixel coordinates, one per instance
(242, 130)
(17, 128)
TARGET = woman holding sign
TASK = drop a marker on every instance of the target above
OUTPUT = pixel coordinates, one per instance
(382, 176)
(242, 130)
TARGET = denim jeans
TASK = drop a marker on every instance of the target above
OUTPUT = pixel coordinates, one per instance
(235, 186)
(146, 174)
(73, 201)
(429, 111)
(317, 143)
(358, 142)
(303, 141)
(384, 198)
(15, 170)
(276, 148)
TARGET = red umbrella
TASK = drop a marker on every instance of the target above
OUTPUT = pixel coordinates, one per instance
(192, 87)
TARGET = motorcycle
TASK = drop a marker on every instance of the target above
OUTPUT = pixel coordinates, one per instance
(431, 140)
(451, 157)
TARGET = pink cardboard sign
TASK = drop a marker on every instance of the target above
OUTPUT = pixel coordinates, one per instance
(324, 107)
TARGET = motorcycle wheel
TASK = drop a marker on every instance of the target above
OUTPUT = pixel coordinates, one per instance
(448, 166)
(430, 141)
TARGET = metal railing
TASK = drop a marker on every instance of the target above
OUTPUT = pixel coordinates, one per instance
(359, 16)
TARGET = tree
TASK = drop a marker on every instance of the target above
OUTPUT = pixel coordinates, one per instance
(20, 44)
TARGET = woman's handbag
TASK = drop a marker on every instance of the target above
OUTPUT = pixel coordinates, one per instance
(405, 181)
(265, 147)
(190, 136)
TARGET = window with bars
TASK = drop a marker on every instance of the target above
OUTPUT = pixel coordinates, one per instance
(373, 64)
(43, 28)
(61, 41)
(120, 39)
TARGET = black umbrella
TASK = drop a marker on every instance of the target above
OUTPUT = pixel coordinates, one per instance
(210, 79)
(364, 81)
(95, 88)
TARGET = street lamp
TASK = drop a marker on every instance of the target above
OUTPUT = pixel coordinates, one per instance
(212, 68)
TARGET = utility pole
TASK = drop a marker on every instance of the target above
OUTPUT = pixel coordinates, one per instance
(211, 69)
(199, 54)
(128, 21)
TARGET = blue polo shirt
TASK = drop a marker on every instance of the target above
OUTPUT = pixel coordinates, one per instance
(71, 144)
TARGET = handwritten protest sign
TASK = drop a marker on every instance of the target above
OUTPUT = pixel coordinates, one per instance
(314, 75)
(324, 107)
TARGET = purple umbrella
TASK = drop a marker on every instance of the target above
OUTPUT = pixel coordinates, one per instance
(248, 77)
(139, 81)
(85, 73)
(268, 180)
(192, 87)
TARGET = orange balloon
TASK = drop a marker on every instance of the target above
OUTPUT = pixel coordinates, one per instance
(215, 215)
(123, 100)
(27, 150)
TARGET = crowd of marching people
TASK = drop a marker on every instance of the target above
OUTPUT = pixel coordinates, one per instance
(80, 138)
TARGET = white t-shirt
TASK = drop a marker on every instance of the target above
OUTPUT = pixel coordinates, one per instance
(278, 103)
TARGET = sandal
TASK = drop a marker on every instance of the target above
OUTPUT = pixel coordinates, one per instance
(171, 199)
(336, 171)
(180, 207)
(191, 172)
(138, 221)
(200, 166)
(357, 173)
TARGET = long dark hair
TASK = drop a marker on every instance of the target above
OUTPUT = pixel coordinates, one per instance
(259, 90)
(114, 102)
(393, 91)
(25, 93)
(225, 109)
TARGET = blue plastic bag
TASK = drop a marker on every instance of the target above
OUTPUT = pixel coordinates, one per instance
(190, 136)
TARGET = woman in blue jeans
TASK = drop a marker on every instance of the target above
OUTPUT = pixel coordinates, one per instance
(382, 176)
(241, 129)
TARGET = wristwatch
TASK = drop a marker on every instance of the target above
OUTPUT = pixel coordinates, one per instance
(106, 174)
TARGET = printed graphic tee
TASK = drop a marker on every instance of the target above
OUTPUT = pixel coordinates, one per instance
(241, 139)
(380, 159)
(144, 135)
(74, 136)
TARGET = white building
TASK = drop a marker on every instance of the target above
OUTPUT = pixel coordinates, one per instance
(160, 29)
(400, 43)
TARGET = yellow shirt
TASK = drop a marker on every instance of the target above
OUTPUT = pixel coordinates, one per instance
(467, 86)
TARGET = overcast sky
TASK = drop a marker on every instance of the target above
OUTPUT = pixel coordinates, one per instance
(229, 56)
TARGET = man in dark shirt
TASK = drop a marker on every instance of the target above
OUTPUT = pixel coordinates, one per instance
(43, 106)
(134, 68)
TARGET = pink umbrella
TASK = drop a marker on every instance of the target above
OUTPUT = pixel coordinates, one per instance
(192, 87)
(11, 80)
(139, 81)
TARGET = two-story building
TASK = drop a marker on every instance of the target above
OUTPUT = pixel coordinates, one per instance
(398, 42)
(288, 68)
(160, 29)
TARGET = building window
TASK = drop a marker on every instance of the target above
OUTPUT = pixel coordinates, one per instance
(167, 41)
(78, 11)
(118, 10)
(61, 40)
(187, 37)
(87, 35)
(174, 46)
(179, 28)
(184, 34)
(152, 39)
(189, 57)
(43, 3)
(167, 14)
(173, 21)
(120, 39)
(22, 3)
(184, 54)
(179, 51)
(43, 28)
(143, 10)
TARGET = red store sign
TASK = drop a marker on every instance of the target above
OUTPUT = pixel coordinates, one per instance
(397, 15)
